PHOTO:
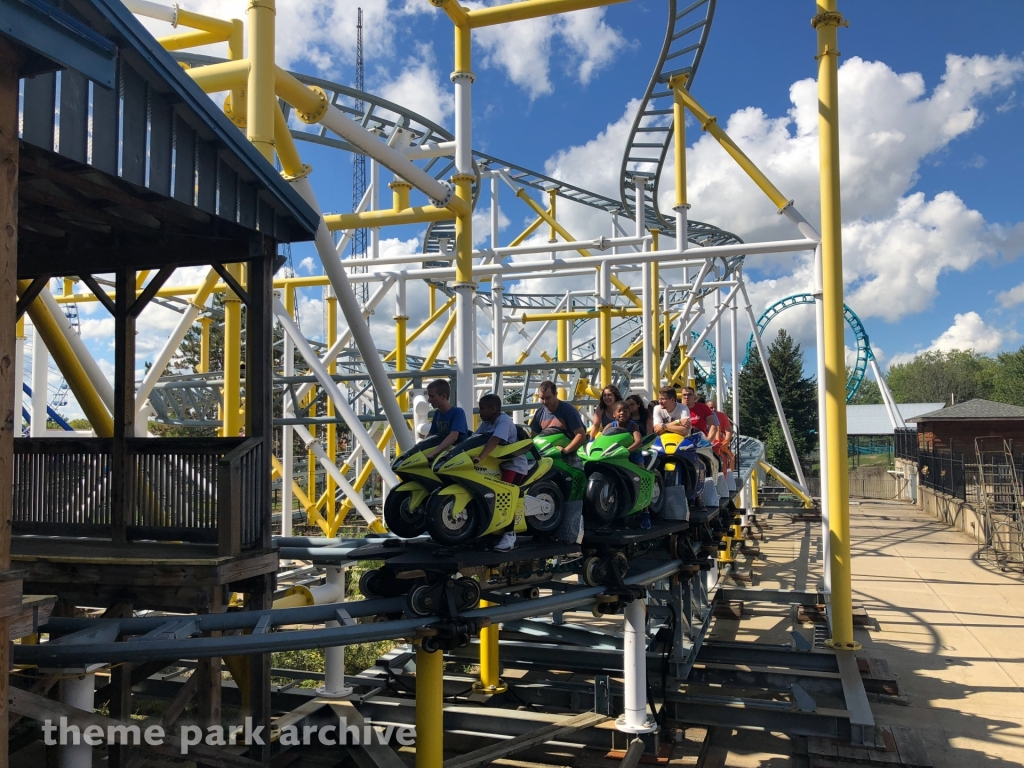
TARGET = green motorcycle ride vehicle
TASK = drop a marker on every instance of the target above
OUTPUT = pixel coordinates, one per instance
(405, 506)
(568, 471)
(474, 502)
(618, 487)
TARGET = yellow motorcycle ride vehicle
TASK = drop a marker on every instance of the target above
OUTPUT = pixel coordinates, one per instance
(476, 503)
(405, 506)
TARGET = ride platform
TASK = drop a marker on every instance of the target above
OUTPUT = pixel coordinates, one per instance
(432, 557)
(618, 538)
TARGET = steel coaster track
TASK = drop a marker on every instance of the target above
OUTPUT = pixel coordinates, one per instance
(172, 637)
(651, 134)
(864, 353)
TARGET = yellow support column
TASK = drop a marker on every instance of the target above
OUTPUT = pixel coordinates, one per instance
(261, 100)
(70, 367)
(755, 503)
(429, 709)
(563, 349)
(605, 334)
(204, 344)
(401, 364)
(490, 667)
(232, 417)
(826, 23)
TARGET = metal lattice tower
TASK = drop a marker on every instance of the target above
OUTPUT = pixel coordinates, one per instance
(359, 239)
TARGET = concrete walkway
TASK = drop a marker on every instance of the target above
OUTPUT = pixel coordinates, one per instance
(951, 625)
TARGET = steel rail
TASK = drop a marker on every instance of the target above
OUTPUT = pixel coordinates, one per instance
(648, 143)
(96, 644)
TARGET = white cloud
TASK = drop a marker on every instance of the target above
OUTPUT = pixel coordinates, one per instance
(307, 264)
(321, 33)
(1012, 297)
(968, 331)
(482, 224)
(524, 49)
(419, 87)
(896, 243)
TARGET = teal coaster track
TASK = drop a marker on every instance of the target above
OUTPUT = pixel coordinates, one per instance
(864, 353)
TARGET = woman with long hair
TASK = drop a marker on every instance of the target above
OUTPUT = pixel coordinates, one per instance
(604, 414)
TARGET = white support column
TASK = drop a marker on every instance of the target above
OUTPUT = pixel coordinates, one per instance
(735, 369)
(719, 367)
(465, 314)
(40, 394)
(356, 323)
(341, 405)
(774, 390)
(648, 289)
(497, 331)
(895, 417)
(819, 330)
(374, 206)
(634, 669)
(682, 326)
(495, 211)
(287, 461)
(78, 691)
(19, 378)
(334, 657)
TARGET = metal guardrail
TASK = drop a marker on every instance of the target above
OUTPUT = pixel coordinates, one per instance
(943, 471)
(905, 443)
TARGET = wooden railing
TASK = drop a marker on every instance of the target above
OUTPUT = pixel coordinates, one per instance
(204, 490)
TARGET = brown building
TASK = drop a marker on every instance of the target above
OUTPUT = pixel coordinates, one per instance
(958, 429)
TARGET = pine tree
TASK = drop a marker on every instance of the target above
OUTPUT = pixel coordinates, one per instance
(799, 400)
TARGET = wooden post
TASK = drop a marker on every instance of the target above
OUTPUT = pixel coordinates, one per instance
(260, 596)
(208, 693)
(124, 404)
(259, 363)
(120, 699)
(9, 377)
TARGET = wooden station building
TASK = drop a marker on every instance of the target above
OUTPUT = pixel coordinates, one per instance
(120, 165)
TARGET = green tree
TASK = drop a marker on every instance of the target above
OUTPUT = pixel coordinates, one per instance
(868, 393)
(1008, 378)
(798, 395)
(946, 377)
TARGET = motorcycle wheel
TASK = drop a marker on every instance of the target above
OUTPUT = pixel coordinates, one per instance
(605, 499)
(444, 526)
(657, 505)
(399, 516)
(548, 523)
(691, 478)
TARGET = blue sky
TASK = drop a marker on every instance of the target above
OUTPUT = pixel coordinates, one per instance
(931, 122)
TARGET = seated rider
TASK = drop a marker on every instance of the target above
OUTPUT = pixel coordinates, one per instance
(670, 415)
(503, 432)
(449, 420)
(702, 418)
(623, 421)
(554, 414)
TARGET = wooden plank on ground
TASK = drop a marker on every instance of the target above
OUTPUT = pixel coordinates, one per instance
(910, 746)
(42, 709)
(489, 754)
(370, 755)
